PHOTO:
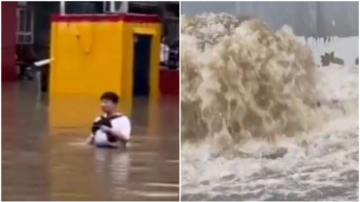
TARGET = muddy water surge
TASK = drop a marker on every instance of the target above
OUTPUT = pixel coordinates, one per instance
(260, 120)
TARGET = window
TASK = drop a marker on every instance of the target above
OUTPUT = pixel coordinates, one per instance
(22, 3)
(25, 26)
(107, 6)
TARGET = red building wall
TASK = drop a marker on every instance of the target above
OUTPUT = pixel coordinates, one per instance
(8, 40)
(169, 82)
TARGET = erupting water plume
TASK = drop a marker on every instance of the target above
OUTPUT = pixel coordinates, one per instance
(242, 80)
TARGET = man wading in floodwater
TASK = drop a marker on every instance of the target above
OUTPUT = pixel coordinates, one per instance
(111, 129)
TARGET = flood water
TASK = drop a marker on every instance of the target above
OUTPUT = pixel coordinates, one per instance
(43, 157)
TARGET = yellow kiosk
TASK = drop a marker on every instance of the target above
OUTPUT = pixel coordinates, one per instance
(97, 53)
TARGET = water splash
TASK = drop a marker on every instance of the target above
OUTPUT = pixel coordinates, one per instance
(241, 80)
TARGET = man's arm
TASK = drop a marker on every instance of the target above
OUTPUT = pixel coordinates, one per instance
(90, 139)
(121, 129)
(116, 132)
(119, 134)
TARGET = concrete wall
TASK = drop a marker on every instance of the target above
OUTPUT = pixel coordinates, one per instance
(309, 19)
(342, 51)
(329, 29)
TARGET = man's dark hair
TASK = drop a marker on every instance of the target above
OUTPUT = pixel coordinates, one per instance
(113, 97)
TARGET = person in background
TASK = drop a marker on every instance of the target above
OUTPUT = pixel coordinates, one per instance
(173, 62)
(25, 57)
(164, 53)
(112, 129)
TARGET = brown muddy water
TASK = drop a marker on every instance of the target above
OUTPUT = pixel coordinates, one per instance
(43, 157)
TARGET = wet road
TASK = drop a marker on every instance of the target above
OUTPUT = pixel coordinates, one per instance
(43, 157)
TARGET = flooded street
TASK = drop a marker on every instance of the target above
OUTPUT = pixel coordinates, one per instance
(43, 157)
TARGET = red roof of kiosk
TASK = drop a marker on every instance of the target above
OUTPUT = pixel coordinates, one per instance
(139, 18)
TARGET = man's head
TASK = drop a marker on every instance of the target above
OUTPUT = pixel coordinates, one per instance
(109, 102)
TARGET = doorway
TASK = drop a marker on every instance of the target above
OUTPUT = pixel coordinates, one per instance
(142, 51)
